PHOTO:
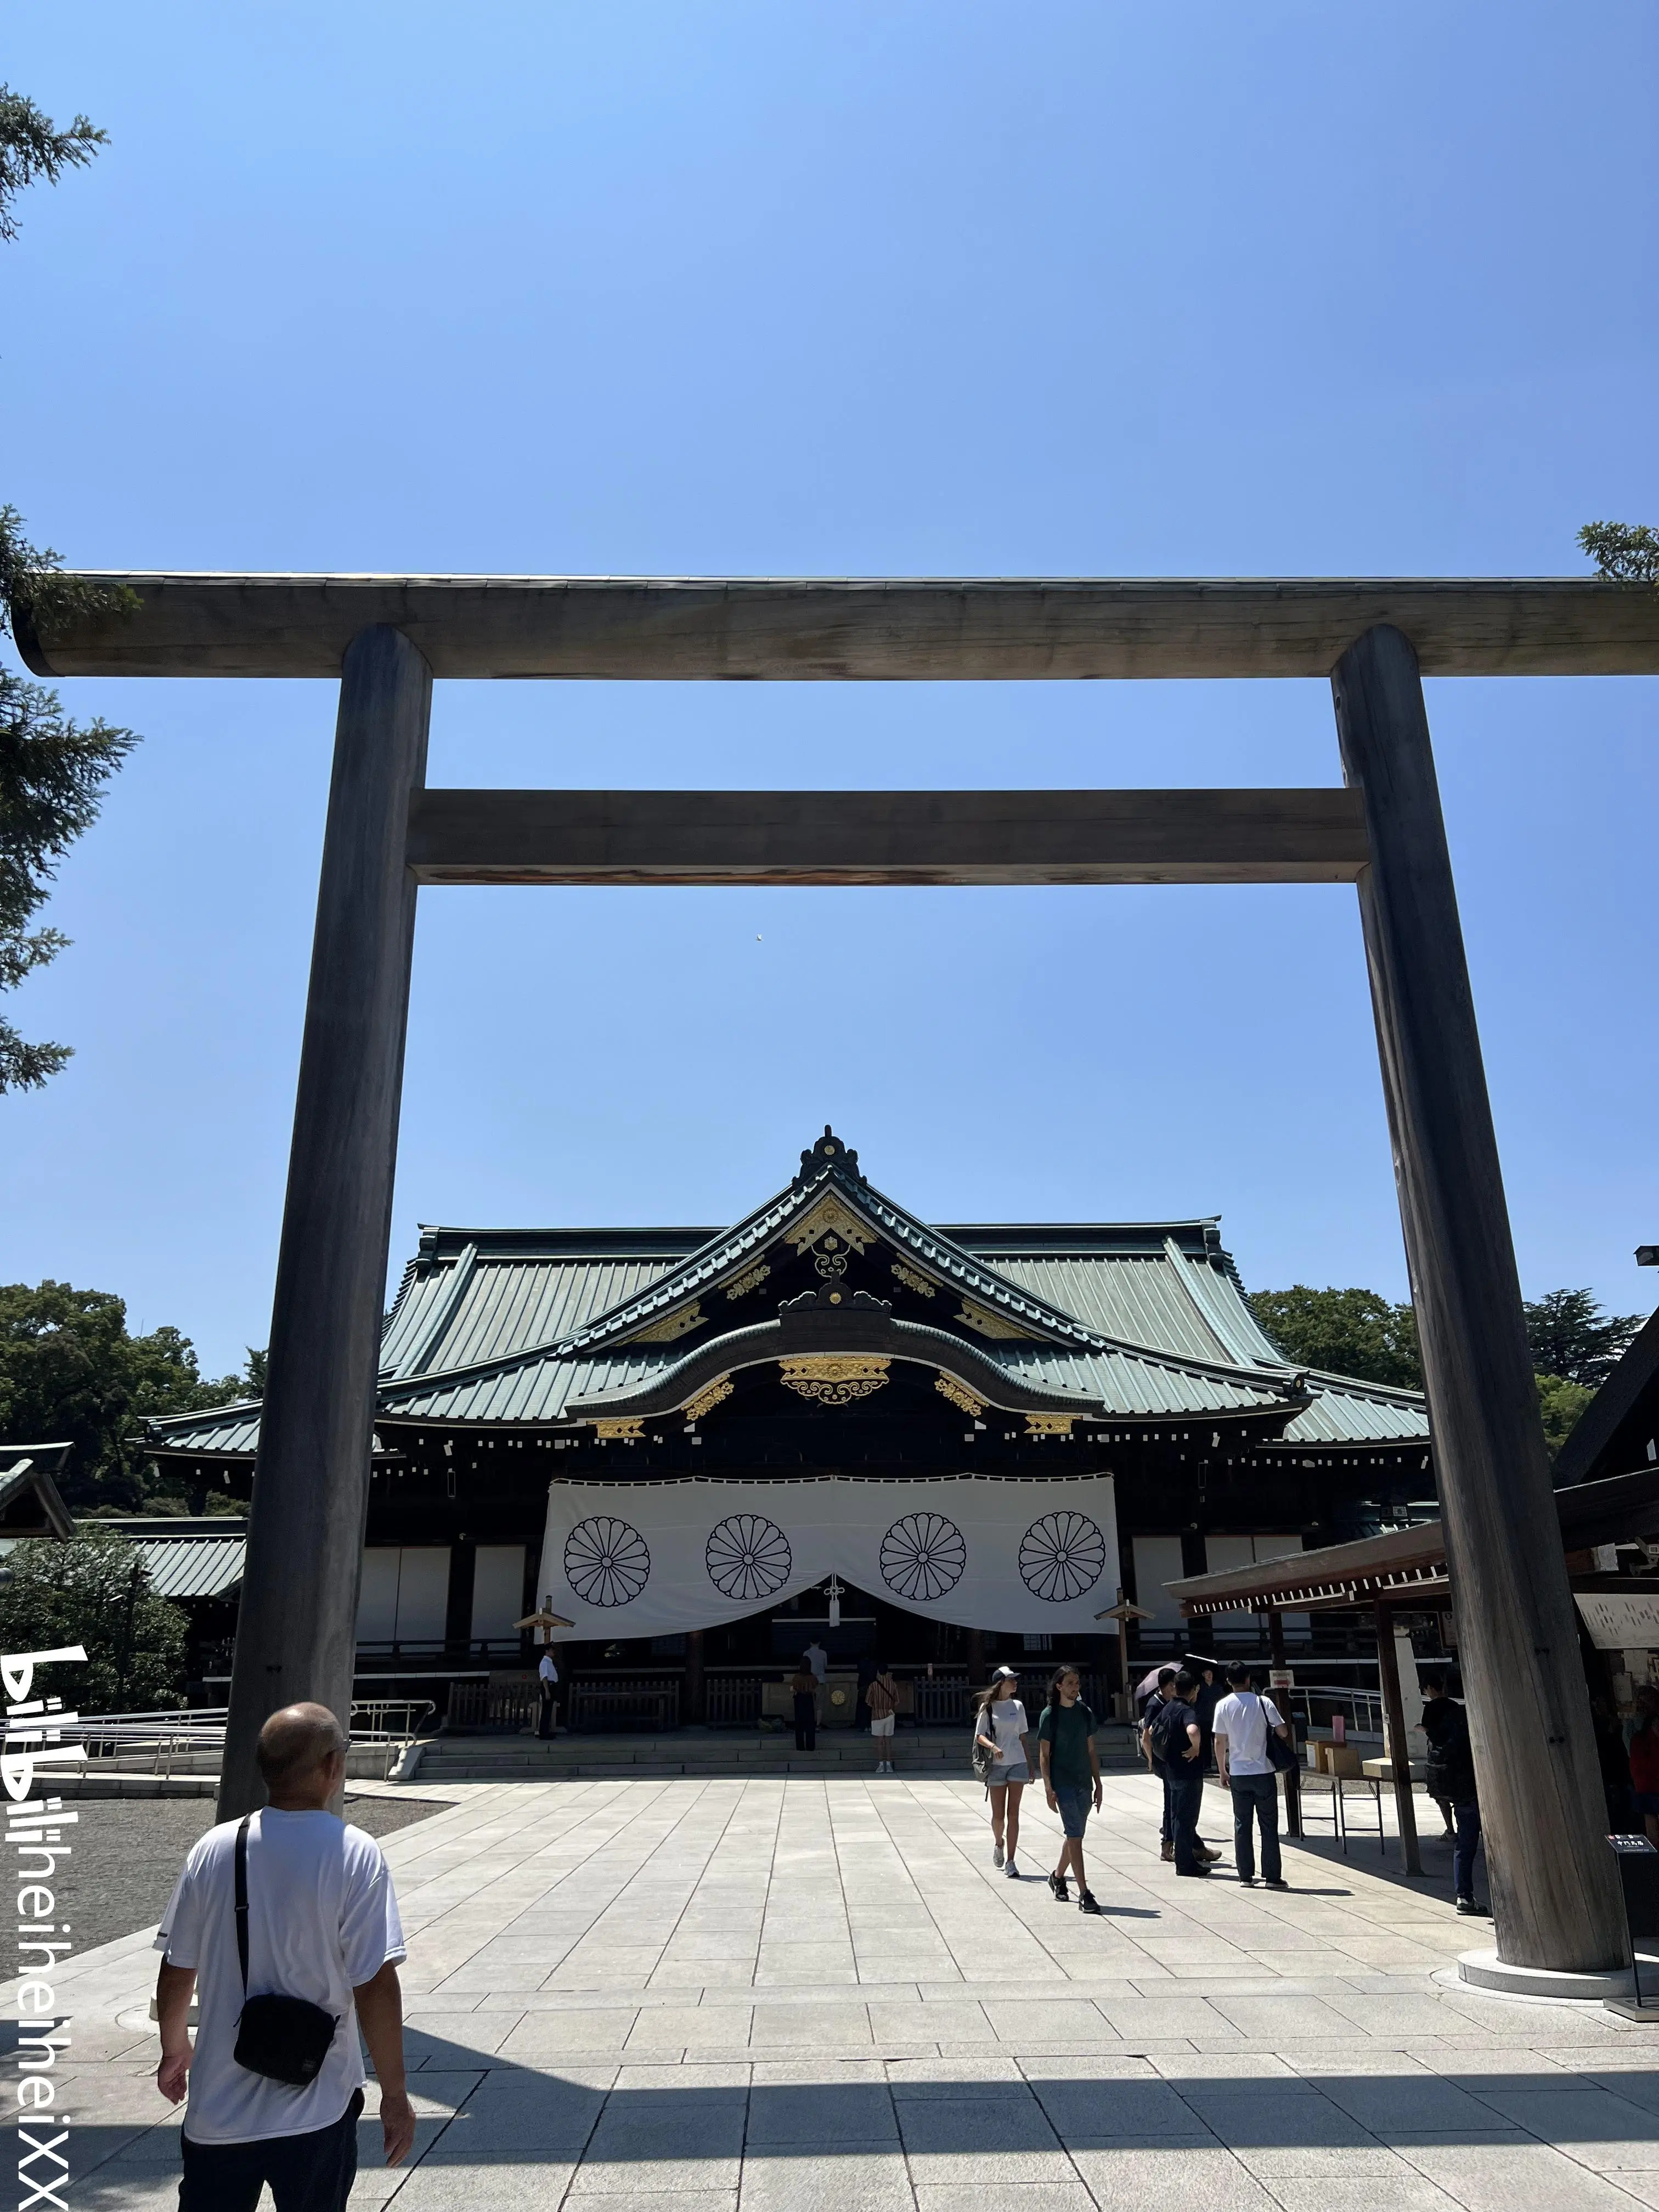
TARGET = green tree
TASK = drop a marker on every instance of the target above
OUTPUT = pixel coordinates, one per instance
(1561, 1402)
(52, 771)
(1572, 1337)
(70, 1371)
(95, 1591)
(1351, 1332)
(1624, 552)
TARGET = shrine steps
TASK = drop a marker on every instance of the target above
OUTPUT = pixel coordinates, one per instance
(934, 1753)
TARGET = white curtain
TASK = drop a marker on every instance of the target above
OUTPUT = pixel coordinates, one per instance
(649, 1559)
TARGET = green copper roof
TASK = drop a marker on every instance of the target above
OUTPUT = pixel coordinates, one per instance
(1136, 1320)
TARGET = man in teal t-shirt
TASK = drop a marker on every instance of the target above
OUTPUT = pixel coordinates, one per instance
(1071, 1778)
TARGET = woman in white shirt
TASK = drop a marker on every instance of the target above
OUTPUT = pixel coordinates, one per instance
(1002, 1723)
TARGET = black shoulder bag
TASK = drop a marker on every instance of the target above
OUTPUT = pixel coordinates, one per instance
(284, 2039)
(1281, 1753)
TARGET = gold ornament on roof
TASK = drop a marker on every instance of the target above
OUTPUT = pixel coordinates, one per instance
(987, 1324)
(828, 1218)
(959, 1394)
(675, 1324)
(751, 1281)
(629, 1432)
(712, 1394)
(1049, 1424)
(834, 1378)
(913, 1281)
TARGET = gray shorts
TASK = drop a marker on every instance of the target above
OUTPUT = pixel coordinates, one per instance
(1013, 1770)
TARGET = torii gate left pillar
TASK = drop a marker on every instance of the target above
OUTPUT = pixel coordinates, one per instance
(297, 1637)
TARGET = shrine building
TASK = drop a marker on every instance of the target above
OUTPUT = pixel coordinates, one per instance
(701, 1449)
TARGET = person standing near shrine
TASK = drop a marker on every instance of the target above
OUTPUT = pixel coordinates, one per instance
(1178, 1740)
(1204, 1705)
(1248, 1774)
(1071, 1778)
(1002, 1724)
(1451, 1776)
(547, 1686)
(882, 1698)
(803, 1689)
(1151, 1707)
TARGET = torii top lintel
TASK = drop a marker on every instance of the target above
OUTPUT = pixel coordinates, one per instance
(873, 630)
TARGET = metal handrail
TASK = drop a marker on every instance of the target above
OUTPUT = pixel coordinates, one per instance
(169, 1734)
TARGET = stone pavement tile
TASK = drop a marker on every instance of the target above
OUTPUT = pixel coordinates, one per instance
(1179, 2062)
(965, 2139)
(1052, 2021)
(1504, 2173)
(821, 2028)
(550, 2035)
(1398, 2013)
(1091, 2111)
(1195, 2177)
(1013, 2194)
(962, 2075)
(1275, 2018)
(1604, 2130)
(727, 2083)
(1639, 2081)
(1313, 2062)
(497, 2121)
(507, 2183)
(848, 2114)
(1275, 2163)
(1393, 2105)
(130, 2191)
(964, 2022)
(1162, 2019)
(1393, 2192)
(695, 2029)
(1481, 2059)
(873, 2181)
(1112, 2064)
(1642, 2187)
(1274, 2114)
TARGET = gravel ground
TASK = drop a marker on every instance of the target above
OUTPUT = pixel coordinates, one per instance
(128, 1853)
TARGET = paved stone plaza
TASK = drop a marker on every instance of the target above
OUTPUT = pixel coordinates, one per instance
(755, 1995)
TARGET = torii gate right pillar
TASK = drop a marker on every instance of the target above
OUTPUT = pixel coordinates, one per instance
(1555, 1895)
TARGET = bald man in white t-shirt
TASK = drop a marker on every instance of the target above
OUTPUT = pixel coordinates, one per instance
(322, 1928)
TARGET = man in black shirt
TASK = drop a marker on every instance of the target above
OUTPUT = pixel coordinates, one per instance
(1451, 1777)
(1150, 1708)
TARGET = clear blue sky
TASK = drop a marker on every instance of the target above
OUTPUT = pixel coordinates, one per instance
(945, 287)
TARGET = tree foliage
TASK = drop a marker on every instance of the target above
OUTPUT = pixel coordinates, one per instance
(1624, 552)
(1351, 1332)
(70, 1371)
(1572, 1337)
(52, 772)
(1561, 1402)
(33, 151)
(95, 1591)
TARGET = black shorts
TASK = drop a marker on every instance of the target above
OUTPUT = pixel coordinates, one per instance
(311, 2173)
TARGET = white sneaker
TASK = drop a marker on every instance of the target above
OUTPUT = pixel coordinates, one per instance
(996, 1855)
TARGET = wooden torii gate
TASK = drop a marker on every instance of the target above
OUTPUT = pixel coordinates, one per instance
(1555, 1896)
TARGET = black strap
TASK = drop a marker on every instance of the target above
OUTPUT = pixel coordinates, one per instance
(241, 1895)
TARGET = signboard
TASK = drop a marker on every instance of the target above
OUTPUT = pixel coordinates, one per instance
(1620, 1620)
(1280, 1678)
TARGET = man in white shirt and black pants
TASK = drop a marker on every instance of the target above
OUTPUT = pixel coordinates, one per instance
(547, 1682)
(276, 2077)
(1241, 1723)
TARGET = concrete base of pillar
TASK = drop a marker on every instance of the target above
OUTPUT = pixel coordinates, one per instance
(1485, 1970)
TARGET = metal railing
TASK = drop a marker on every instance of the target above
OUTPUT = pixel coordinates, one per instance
(180, 1740)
